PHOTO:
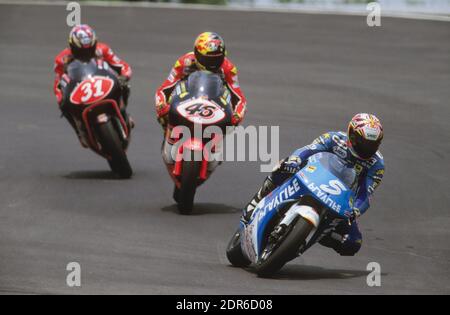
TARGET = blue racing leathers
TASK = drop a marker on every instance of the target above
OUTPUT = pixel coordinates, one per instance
(346, 239)
(369, 172)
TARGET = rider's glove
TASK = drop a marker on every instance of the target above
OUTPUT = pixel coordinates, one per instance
(59, 100)
(355, 214)
(236, 119)
(63, 107)
(163, 121)
(291, 166)
(123, 81)
(162, 109)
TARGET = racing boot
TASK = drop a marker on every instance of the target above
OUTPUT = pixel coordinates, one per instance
(71, 121)
(125, 86)
(345, 239)
(83, 142)
(267, 187)
(283, 171)
(125, 93)
(128, 119)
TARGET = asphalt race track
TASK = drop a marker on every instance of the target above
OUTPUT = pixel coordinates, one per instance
(306, 73)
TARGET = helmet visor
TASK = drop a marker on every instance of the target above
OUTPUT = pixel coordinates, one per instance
(363, 147)
(84, 54)
(211, 62)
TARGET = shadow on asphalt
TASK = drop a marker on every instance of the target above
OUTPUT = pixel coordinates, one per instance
(90, 175)
(302, 272)
(205, 208)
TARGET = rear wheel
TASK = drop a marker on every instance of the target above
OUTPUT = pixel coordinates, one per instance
(279, 252)
(234, 251)
(189, 181)
(112, 146)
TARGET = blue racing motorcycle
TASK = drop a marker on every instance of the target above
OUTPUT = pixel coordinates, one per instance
(295, 216)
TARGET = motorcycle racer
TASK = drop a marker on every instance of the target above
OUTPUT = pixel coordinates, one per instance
(359, 148)
(83, 46)
(209, 54)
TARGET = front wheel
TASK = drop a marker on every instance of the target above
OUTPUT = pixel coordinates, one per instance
(189, 180)
(112, 146)
(276, 255)
(234, 251)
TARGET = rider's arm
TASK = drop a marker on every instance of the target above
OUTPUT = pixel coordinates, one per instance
(57, 90)
(322, 144)
(164, 91)
(239, 100)
(368, 185)
(59, 69)
(122, 67)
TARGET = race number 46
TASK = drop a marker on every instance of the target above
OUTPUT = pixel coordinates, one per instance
(201, 111)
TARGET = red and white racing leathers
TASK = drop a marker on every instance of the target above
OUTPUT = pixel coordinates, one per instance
(103, 52)
(184, 66)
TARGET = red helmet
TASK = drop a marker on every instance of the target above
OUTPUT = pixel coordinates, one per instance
(365, 134)
(83, 42)
(209, 49)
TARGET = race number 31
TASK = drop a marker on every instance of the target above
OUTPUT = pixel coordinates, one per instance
(92, 90)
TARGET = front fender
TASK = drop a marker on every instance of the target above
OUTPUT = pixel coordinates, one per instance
(306, 212)
(197, 147)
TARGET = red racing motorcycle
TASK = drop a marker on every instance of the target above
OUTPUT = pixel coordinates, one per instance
(93, 98)
(198, 103)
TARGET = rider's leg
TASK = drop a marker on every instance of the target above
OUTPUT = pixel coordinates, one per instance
(169, 149)
(71, 121)
(128, 120)
(269, 185)
(125, 96)
(346, 239)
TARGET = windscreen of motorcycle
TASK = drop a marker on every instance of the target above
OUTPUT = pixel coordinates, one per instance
(92, 81)
(203, 83)
(78, 70)
(343, 171)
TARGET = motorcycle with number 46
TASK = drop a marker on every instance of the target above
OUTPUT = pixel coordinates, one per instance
(197, 104)
(93, 97)
(295, 216)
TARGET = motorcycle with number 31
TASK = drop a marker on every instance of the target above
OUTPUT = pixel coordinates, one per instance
(93, 98)
(295, 216)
